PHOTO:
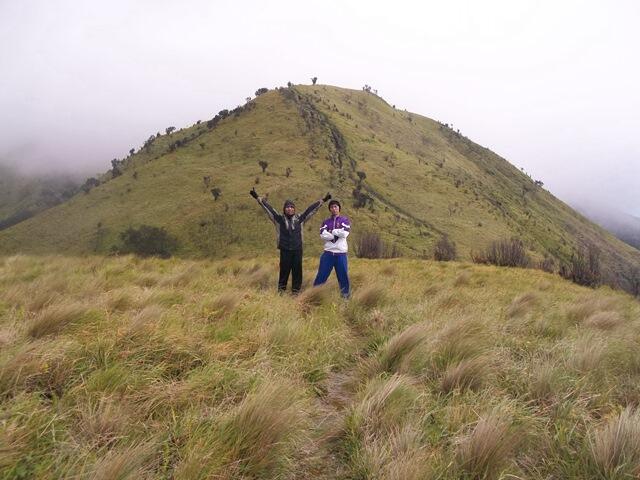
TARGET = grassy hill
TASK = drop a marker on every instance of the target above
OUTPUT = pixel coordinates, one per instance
(128, 368)
(409, 178)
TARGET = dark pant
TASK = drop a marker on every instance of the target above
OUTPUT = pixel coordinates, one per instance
(290, 261)
(329, 261)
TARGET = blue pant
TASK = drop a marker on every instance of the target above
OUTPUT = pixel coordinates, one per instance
(329, 261)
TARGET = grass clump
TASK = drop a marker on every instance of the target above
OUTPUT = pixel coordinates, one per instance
(256, 438)
(468, 373)
(615, 446)
(55, 318)
(487, 448)
(522, 304)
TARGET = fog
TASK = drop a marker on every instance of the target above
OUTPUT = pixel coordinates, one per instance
(551, 86)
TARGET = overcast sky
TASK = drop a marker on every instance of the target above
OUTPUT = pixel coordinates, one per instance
(553, 86)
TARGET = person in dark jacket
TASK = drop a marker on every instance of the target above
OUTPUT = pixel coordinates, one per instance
(289, 237)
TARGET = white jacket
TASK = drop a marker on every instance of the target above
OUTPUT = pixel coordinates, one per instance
(334, 231)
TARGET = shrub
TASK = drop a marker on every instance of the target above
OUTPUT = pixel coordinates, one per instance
(260, 91)
(148, 241)
(370, 245)
(584, 267)
(504, 253)
(263, 165)
(445, 249)
(547, 264)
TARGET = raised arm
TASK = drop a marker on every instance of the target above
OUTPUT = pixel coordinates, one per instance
(271, 213)
(313, 208)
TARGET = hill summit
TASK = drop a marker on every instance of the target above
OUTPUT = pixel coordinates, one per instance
(409, 179)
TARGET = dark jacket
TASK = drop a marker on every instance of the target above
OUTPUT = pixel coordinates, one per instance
(289, 229)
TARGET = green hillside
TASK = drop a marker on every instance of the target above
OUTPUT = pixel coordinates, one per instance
(412, 179)
(184, 369)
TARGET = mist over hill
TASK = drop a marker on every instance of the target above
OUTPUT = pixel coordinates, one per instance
(25, 195)
(624, 226)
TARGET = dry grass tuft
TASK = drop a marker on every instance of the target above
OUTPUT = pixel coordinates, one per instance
(397, 456)
(615, 447)
(522, 304)
(314, 297)
(389, 270)
(255, 436)
(144, 322)
(124, 464)
(224, 304)
(458, 341)
(604, 320)
(487, 448)
(54, 318)
(466, 374)
(8, 336)
(543, 384)
(377, 319)
(462, 280)
(102, 422)
(399, 348)
(181, 278)
(371, 296)
(385, 405)
(588, 353)
(120, 300)
(588, 306)
(261, 278)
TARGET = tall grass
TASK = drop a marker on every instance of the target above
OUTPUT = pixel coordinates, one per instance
(201, 374)
(487, 448)
(615, 446)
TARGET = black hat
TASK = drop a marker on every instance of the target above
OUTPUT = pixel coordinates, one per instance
(335, 202)
(288, 203)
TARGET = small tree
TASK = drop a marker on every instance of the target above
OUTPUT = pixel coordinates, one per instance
(263, 165)
(115, 168)
(169, 130)
(89, 184)
(445, 249)
(289, 84)
(206, 180)
(314, 80)
(287, 172)
(260, 91)
(216, 192)
(361, 175)
(131, 151)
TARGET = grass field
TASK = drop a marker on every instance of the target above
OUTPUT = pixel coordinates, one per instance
(123, 367)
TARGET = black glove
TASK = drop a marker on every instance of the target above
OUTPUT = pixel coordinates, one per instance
(253, 193)
(335, 239)
(327, 197)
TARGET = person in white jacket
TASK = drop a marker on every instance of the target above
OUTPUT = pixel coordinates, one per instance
(334, 231)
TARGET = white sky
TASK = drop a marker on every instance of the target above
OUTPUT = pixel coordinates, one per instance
(553, 86)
